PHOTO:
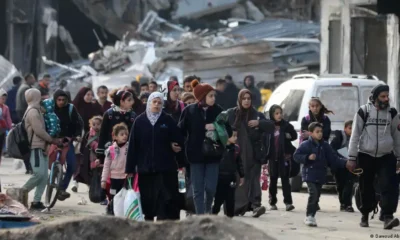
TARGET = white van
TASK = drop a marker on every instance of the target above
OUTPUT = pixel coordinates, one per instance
(342, 94)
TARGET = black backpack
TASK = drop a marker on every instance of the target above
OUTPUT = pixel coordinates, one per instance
(18, 144)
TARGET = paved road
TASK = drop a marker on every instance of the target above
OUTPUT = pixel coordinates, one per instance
(280, 224)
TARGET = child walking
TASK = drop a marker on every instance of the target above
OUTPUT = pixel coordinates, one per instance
(93, 139)
(344, 179)
(317, 113)
(114, 162)
(316, 155)
(230, 165)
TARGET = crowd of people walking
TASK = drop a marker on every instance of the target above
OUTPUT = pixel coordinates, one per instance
(215, 136)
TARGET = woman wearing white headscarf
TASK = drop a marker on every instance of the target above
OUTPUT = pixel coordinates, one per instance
(154, 141)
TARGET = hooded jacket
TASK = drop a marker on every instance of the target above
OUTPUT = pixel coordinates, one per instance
(71, 123)
(34, 121)
(378, 136)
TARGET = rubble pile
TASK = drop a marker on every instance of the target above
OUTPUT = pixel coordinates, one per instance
(101, 227)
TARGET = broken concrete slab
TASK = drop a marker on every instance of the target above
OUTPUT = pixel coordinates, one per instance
(101, 227)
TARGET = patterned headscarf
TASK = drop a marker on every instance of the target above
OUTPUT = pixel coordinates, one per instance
(153, 117)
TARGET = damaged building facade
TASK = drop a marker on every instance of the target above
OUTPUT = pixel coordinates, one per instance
(49, 28)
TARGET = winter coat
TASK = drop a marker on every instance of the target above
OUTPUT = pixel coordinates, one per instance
(192, 124)
(115, 162)
(34, 121)
(326, 123)
(315, 170)
(231, 163)
(174, 113)
(112, 117)
(11, 103)
(378, 136)
(277, 162)
(251, 138)
(21, 104)
(228, 98)
(70, 121)
(92, 142)
(150, 149)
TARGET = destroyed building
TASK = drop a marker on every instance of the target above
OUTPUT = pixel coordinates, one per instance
(47, 28)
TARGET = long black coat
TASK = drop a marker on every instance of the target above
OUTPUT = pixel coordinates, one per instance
(276, 161)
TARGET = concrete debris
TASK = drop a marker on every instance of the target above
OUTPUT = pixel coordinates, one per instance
(7, 72)
(239, 12)
(201, 8)
(253, 13)
(100, 227)
(153, 27)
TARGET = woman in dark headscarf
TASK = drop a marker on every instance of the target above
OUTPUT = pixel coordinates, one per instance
(87, 109)
(83, 102)
(172, 105)
(252, 130)
(279, 160)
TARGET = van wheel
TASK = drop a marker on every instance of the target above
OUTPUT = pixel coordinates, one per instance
(297, 183)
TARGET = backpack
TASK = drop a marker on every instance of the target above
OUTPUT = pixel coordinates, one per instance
(308, 119)
(111, 115)
(364, 116)
(17, 141)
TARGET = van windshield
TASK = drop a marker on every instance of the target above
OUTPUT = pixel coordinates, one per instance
(343, 101)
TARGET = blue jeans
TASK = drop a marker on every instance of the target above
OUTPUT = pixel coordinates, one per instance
(71, 166)
(204, 179)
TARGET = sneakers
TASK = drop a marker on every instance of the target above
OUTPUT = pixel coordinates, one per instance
(259, 211)
(63, 195)
(310, 221)
(104, 202)
(37, 206)
(391, 223)
(364, 221)
(29, 172)
(289, 207)
(274, 207)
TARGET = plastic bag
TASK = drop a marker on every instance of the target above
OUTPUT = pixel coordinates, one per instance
(119, 202)
(132, 205)
(96, 193)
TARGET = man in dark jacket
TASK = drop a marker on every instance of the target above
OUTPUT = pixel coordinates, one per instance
(21, 104)
(11, 100)
(375, 146)
(248, 83)
(344, 179)
(316, 155)
(71, 128)
(43, 86)
(228, 98)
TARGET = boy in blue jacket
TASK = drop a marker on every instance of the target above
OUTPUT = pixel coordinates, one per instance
(316, 155)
